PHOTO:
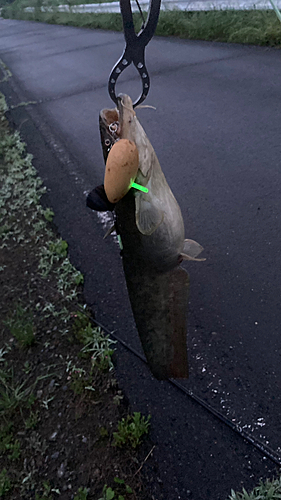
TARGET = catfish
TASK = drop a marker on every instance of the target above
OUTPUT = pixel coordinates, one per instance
(151, 229)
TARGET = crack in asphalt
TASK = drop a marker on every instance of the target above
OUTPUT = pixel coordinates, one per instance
(86, 47)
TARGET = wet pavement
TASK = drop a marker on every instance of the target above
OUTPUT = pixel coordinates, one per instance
(216, 132)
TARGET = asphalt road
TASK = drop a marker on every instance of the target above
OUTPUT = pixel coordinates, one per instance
(216, 132)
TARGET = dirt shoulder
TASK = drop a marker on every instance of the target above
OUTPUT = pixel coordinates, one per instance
(61, 432)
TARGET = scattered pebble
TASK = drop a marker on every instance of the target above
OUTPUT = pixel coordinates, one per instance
(96, 473)
(53, 436)
(61, 470)
(51, 386)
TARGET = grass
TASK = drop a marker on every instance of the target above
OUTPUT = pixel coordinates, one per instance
(20, 324)
(82, 494)
(5, 483)
(13, 395)
(250, 27)
(131, 430)
(268, 490)
(118, 492)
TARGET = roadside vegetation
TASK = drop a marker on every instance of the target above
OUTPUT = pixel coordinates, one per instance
(251, 27)
(66, 431)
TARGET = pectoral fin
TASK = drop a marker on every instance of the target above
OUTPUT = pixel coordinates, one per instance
(191, 249)
(148, 215)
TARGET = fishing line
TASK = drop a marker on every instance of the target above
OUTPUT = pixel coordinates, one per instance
(262, 448)
(141, 13)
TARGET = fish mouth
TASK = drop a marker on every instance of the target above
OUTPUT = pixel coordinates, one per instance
(114, 119)
(109, 129)
(109, 122)
(115, 123)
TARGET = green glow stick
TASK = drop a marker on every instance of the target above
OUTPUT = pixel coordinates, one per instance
(139, 187)
(120, 241)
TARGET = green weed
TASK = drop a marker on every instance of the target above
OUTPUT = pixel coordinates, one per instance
(20, 324)
(3, 352)
(123, 486)
(107, 493)
(118, 398)
(96, 344)
(13, 395)
(32, 421)
(118, 492)
(3, 105)
(104, 433)
(46, 402)
(79, 381)
(46, 492)
(130, 430)
(81, 494)
(5, 483)
(268, 490)
(20, 192)
(9, 445)
(99, 347)
(27, 368)
(50, 254)
(79, 324)
(68, 276)
(48, 214)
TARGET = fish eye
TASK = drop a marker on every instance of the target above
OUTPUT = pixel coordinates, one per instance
(113, 127)
(107, 142)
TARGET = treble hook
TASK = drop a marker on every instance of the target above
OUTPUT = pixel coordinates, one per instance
(135, 46)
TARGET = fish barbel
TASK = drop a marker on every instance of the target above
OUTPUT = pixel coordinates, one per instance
(152, 233)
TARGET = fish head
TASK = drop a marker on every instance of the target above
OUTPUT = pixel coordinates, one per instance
(109, 129)
(120, 123)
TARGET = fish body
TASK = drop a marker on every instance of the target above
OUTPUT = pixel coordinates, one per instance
(152, 233)
(158, 224)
